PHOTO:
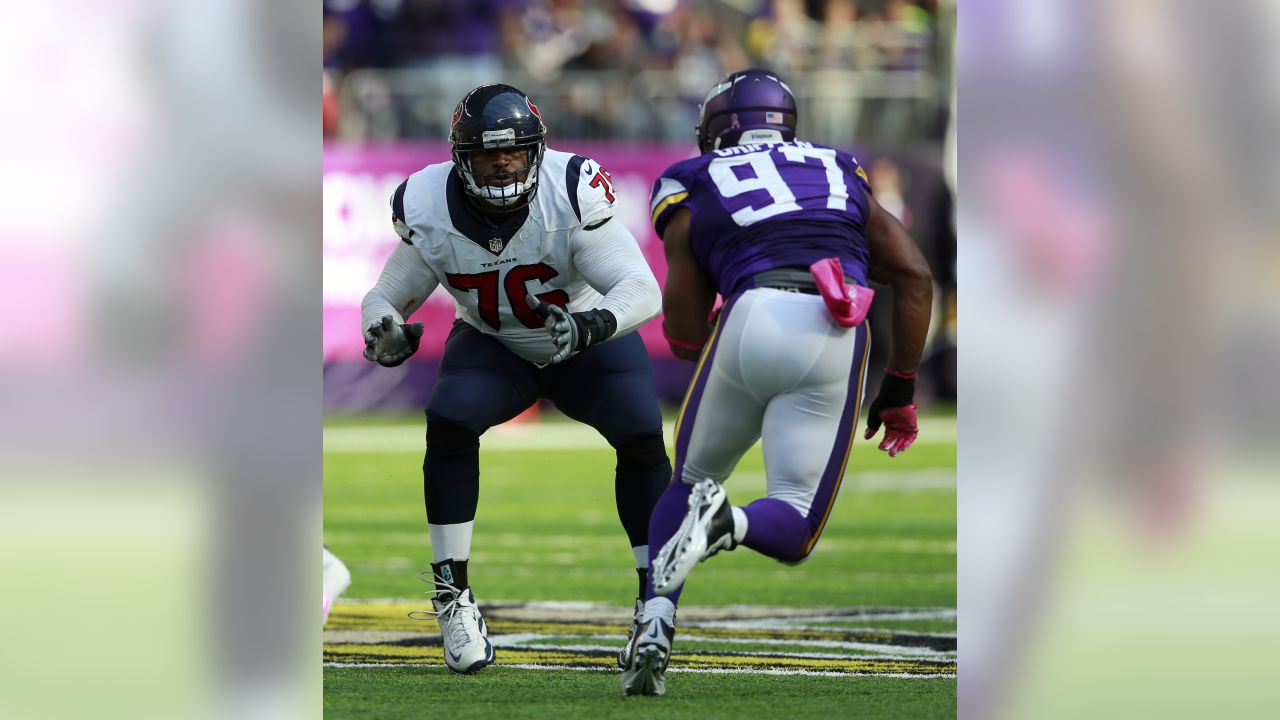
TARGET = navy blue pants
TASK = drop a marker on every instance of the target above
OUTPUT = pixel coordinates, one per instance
(481, 384)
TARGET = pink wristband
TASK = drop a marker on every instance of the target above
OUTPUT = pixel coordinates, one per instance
(912, 376)
(680, 343)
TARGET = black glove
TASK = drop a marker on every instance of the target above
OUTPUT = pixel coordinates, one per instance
(573, 332)
(389, 344)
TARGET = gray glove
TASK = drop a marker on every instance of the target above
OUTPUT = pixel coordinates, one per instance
(389, 343)
(573, 332)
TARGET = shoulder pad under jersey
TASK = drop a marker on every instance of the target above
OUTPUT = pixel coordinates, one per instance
(418, 205)
(597, 198)
(398, 214)
(671, 191)
(573, 191)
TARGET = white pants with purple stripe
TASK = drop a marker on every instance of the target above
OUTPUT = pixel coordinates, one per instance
(777, 369)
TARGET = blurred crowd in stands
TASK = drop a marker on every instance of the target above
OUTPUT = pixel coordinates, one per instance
(605, 61)
(545, 37)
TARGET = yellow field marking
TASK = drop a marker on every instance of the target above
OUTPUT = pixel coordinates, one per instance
(432, 655)
(394, 617)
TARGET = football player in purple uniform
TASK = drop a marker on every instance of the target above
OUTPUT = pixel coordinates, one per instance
(788, 233)
(548, 290)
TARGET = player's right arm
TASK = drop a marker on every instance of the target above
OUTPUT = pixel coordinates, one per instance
(689, 294)
(404, 285)
(896, 261)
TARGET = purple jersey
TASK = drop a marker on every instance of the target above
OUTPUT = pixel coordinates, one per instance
(768, 206)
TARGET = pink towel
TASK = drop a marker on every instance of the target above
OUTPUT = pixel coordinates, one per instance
(847, 303)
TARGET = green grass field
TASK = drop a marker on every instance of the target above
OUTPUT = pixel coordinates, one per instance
(865, 627)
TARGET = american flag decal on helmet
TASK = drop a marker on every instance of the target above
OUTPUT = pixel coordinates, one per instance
(773, 117)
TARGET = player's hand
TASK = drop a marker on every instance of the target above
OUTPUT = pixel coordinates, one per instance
(895, 409)
(573, 332)
(389, 343)
(564, 331)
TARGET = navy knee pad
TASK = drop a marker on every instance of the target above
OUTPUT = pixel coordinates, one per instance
(642, 453)
(450, 437)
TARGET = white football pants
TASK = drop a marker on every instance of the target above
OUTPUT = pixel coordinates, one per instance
(777, 368)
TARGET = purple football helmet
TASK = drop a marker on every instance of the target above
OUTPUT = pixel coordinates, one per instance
(746, 106)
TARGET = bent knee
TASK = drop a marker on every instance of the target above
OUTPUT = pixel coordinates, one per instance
(643, 452)
(448, 436)
(802, 553)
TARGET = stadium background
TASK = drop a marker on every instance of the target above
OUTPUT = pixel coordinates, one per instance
(620, 81)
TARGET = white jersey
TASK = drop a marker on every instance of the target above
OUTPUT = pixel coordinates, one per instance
(567, 252)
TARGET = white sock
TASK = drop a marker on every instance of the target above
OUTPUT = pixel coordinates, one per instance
(739, 524)
(450, 542)
(660, 607)
(642, 556)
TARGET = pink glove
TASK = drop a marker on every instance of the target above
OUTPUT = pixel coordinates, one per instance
(893, 407)
(899, 429)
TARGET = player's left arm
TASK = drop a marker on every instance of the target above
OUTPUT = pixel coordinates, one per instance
(689, 294)
(609, 259)
(897, 262)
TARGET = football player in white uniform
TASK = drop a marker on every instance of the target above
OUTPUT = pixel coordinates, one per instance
(548, 290)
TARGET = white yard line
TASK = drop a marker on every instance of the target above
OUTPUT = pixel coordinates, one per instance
(522, 640)
(708, 671)
(728, 616)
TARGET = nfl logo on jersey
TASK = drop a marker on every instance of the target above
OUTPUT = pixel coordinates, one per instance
(495, 245)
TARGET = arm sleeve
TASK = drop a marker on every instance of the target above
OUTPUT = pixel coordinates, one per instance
(611, 262)
(405, 283)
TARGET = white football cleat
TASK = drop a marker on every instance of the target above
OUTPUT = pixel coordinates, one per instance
(624, 655)
(646, 670)
(706, 530)
(466, 637)
(335, 579)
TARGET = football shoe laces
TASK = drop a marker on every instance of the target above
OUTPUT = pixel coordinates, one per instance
(466, 644)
